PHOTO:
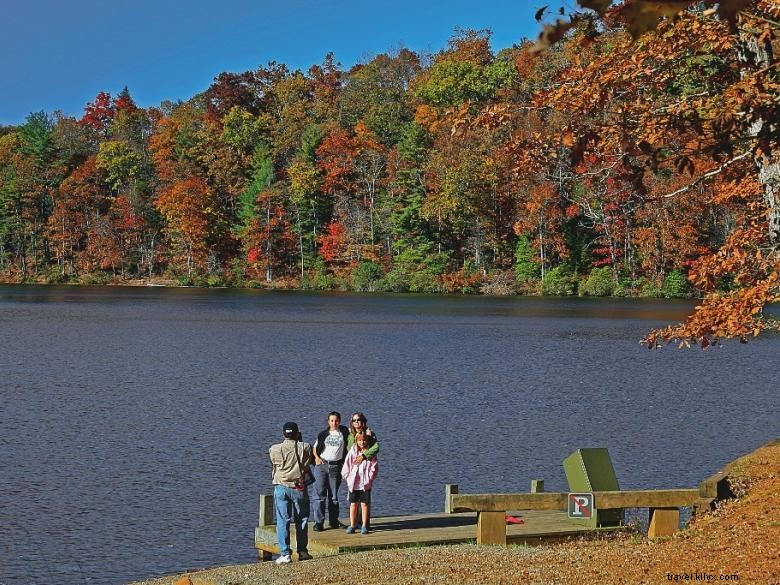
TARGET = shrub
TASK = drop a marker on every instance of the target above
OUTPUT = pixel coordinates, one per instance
(525, 267)
(397, 280)
(559, 282)
(676, 285)
(318, 278)
(95, 278)
(599, 283)
(53, 275)
(366, 276)
(648, 288)
(237, 273)
(413, 272)
(424, 282)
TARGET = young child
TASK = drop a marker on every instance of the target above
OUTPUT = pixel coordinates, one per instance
(359, 478)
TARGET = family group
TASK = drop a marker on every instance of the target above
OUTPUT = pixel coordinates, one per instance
(340, 453)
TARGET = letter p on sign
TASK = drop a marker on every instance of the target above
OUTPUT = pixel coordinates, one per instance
(580, 505)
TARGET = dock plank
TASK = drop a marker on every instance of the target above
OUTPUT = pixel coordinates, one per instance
(430, 529)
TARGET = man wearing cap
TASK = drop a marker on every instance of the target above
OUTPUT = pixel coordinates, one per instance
(290, 460)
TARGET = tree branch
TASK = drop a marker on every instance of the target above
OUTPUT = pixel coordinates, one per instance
(708, 175)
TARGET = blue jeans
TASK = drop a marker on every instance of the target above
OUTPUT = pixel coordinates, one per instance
(291, 505)
(327, 480)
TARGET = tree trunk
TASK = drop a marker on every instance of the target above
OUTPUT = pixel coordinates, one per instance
(756, 54)
(300, 240)
(268, 272)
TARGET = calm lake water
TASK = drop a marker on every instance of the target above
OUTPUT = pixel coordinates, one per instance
(135, 422)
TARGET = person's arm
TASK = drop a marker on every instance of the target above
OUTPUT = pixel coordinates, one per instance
(317, 459)
(372, 451)
(273, 455)
(308, 459)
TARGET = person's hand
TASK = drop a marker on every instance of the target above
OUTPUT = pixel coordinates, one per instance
(317, 460)
(359, 459)
(366, 488)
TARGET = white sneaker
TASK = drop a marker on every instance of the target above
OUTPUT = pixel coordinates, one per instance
(284, 559)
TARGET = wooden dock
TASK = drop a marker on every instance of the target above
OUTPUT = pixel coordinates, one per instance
(539, 527)
(481, 518)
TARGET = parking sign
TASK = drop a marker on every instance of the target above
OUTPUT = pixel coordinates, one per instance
(580, 506)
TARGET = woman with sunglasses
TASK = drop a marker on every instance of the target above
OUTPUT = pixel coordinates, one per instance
(359, 424)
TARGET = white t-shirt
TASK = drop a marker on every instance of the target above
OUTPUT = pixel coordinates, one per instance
(334, 447)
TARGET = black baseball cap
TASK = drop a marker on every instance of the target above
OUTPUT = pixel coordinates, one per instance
(290, 429)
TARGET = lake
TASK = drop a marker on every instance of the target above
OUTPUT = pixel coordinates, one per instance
(135, 422)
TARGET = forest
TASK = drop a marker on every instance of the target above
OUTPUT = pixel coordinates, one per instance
(620, 154)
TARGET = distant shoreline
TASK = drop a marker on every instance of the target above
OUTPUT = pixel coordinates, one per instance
(285, 286)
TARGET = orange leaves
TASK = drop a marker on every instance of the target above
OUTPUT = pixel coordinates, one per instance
(187, 207)
(336, 158)
(691, 116)
(755, 277)
(737, 314)
(639, 16)
(426, 116)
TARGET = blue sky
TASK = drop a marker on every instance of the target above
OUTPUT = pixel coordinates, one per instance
(57, 55)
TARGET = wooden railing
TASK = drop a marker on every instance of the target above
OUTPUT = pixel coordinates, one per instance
(663, 505)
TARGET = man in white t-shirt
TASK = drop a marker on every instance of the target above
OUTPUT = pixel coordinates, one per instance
(330, 449)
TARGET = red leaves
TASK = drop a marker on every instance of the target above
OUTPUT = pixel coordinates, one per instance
(99, 113)
(333, 245)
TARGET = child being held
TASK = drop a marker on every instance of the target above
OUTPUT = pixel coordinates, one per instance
(359, 473)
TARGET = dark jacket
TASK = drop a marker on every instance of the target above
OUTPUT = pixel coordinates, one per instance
(324, 435)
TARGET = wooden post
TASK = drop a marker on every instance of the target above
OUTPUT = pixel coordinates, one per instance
(537, 486)
(449, 489)
(716, 487)
(267, 511)
(663, 522)
(491, 528)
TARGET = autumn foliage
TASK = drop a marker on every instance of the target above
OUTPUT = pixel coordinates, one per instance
(633, 146)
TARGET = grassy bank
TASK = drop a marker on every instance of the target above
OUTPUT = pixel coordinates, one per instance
(739, 539)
